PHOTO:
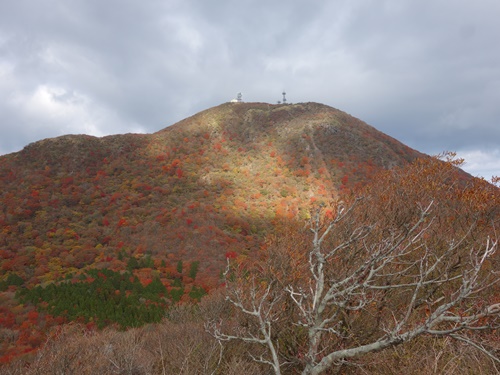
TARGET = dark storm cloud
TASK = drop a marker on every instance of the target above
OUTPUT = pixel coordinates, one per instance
(425, 72)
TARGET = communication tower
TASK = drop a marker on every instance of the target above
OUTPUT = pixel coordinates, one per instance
(284, 97)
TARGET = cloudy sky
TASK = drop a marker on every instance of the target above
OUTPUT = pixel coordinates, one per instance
(426, 72)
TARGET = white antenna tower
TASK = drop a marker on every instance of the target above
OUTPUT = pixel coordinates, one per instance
(238, 98)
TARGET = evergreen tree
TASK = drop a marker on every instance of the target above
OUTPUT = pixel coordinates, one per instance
(194, 269)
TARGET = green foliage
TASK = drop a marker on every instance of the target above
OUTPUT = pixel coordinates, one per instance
(135, 264)
(12, 280)
(155, 287)
(132, 264)
(197, 292)
(193, 270)
(105, 297)
(177, 282)
(176, 294)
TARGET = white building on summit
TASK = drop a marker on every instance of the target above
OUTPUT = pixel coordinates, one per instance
(238, 99)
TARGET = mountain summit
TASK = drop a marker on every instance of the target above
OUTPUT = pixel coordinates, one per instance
(209, 184)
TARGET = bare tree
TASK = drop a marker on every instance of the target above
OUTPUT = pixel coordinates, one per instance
(364, 288)
(258, 302)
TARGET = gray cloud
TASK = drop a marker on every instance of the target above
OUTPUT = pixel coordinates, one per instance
(425, 72)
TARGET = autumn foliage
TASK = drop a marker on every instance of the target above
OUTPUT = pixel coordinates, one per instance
(146, 222)
(409, 258)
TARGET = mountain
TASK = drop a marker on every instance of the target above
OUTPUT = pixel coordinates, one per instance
(167, 208)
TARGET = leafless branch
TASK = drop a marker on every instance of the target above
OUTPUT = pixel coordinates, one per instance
(398, 260)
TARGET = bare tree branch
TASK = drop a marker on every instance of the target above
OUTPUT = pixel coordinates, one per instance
(434, 290)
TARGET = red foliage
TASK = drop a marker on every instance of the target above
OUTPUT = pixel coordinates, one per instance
(66, 181)
(122, 223)
(33, 316)
(345, 180)
(231, 254)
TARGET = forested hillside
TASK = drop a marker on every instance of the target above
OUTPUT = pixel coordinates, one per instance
(117, 231)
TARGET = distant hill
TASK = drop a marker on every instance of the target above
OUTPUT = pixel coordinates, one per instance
(170, 206)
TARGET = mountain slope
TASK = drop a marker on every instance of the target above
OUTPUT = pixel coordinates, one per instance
(255, 153)
(174, 204)
(231, 168)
